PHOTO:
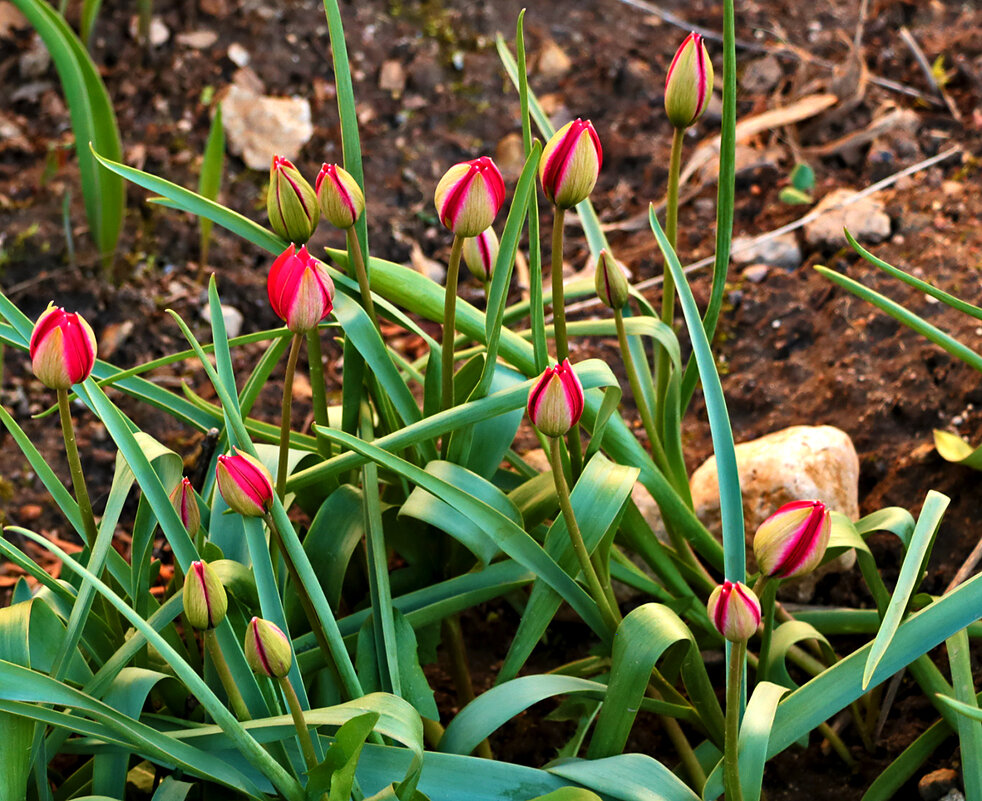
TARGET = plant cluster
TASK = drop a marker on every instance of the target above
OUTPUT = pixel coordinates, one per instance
(314, 571)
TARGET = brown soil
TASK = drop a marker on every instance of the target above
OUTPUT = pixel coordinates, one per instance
(795, 349)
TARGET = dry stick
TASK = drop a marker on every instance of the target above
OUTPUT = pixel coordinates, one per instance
(792, 226)
(75, 466)
(926, 68)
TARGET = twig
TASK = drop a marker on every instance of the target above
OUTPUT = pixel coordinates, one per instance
(792, 226)
(971, 561)
(925, 66)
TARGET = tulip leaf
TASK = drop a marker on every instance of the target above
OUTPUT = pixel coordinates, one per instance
(969, 727)
(953, 448)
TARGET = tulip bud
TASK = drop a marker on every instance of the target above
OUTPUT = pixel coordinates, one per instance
(480, 253)
(556, 401)
(205, 601)
(62, 348)
(469, 196)
(291, 203)
(245, 484)
(792, 541)
(186, 506)
(341, 199)
(610, 282)
(267, 650)
(734, 610)
(570, 164)
(300, 290)
(689, 83)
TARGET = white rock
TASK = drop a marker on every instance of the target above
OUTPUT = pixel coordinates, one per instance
(233, 321)
(553, 61)
(781, 251)
(197, 40)
(238, 55)
(258, 126)
(866, 220)
(800, 462)
(755, 273)
(159, 32)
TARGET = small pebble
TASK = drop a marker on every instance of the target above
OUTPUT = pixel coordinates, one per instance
(938, 784)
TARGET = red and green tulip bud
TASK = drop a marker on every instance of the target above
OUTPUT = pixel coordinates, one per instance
(62, 348)
(186, 506)
(267, 649)
(300, 290)
(556, 401)
(291, 202)
(480, 253)
(469, 196)
(205, 601)
(570, 164)
(734, 610)
(610, 282)
(341, 199)
(792, 541)
(689, 83)
(245, 484)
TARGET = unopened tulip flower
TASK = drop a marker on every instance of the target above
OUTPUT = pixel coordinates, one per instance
(610, 282)
(291, 202)
(480, 253)
(570, 164)
(689, 83)
(341, 199)
(792, 541)
(267, 650)
(186, 506)
(205, 601)
(300, 290)
(556, 401)
(734, 610)
(245, 484)
(469, 196)
(62, 348)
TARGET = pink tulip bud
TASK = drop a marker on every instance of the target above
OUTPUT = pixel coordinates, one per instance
(267, 649)
(469, 196)
(341, 199)
(556, 401)
(205, 601)
(62, 348)
(689, 83)
(734, 610)
(300, 290)
(245, 484)
(480, 253)
(291, 202)
(570, 164)
(792, 541)
(610, 282)
(186, 506)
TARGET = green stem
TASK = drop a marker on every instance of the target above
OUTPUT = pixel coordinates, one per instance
(75, 466)
(225, 676)
(354, 248)
(449, 326)
(734, 688)
(318, 389)
(558, 295)
(291, 369)
(610, 615)
(303, 733)
(766, 591)
(461, 673)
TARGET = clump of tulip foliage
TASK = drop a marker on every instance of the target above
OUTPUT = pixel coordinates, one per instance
(315, 571)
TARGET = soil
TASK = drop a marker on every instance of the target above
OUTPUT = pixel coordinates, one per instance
(793, 347)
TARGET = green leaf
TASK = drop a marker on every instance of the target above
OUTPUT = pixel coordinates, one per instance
(969, 728)
(170, 789)
(794, 197)
(210, 179)
(953, 448)
(910, 576)
(803, 177)
(631, 777)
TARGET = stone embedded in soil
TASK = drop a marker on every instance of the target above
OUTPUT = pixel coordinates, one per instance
(553, 61)
(796, 463)
(34, 62)
(392, 77)
(197, 40)
(865, 218)
(159, 32)
(937, 784)
(259, 127)
(762, 75)
(233, 320)
(781, 251)
(755, 273)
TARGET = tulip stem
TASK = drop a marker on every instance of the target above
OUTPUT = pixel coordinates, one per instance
(303, 733)
(734, 687)
(354, 247)
(610, 614)
(75, 466)
(214, 649)
(291, 369)
(766, 590)
(449, 326)
(454, 638)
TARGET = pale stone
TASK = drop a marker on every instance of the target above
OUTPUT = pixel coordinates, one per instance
(392, 77)
(233, 320)
(865, 218)
(197, 40)
(778, 251)
(553, 61)
(796, 463)
(259, 127)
